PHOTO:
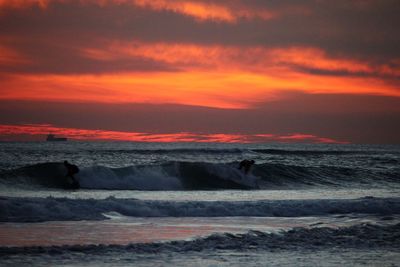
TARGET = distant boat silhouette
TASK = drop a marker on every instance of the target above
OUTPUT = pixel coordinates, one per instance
(52, 137)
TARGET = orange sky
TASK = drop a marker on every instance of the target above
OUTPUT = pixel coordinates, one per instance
(213, 76)
(216, 54)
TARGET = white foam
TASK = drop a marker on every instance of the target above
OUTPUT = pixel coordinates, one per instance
(161, 177)
(232, 173)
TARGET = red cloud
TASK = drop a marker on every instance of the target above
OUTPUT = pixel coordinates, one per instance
(38, 132)
(199, 10)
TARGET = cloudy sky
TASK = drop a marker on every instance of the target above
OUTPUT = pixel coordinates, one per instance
(201, 70)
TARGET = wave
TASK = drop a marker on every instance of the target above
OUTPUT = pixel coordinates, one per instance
(279, 151)
(65, 209)
(175, 151)
(167, 176)
(310, 152)
(357, 236)
(198, 176)
(272, 151)
(305, 152)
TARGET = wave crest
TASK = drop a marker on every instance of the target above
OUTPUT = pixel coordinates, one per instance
(199, 176)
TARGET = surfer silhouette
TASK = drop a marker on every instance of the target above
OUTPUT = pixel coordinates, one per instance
(246, 165)
(71, 171)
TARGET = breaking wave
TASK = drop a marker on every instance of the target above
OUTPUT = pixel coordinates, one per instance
(65, 209)
(197, 176)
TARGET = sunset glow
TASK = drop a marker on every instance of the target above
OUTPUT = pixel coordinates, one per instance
(200, 11)
(212, 89)
(38, 132)
(230, 55)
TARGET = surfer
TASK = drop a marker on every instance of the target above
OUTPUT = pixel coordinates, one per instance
(246, 165)
(71, 171)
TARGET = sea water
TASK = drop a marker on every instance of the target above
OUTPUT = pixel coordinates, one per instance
(188, 204)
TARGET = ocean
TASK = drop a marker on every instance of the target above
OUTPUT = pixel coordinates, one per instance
(188, 204)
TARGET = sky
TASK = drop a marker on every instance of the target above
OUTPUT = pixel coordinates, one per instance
(309, 71)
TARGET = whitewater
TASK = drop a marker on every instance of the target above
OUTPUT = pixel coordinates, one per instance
(188, 204)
